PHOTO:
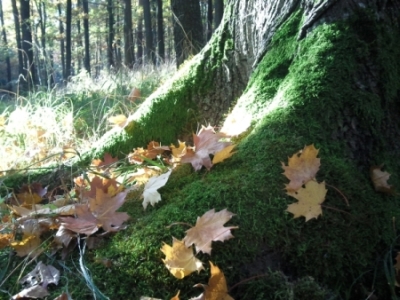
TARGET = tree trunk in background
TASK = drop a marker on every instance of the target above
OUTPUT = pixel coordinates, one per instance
(68, 44)
(45, 68)
(188, 29)
(86, 34)
(18, 37)
(62, 39)
(4, 34)
(209, 19)
(79, 37)
(160, 32)
(150, 55)
(139, 40)
(129, 47)
(219, 12)
(110, 36)
(27, 46)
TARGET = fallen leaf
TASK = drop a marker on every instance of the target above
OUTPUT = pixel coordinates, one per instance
(33, 292)
(84, 222)
(217, 288)
(42, 274)
(150, 193)
(179, 151)
(5, 239)
(206, 142)
(118, 120)
(209, 227)
(223, 154)
(379, 179)
(176, 297)
(27, 246)
(302, 167)
(180, 260)
(310, 199)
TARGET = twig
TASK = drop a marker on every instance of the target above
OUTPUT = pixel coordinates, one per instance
(179, 223)
(337, 190)
(339, 210)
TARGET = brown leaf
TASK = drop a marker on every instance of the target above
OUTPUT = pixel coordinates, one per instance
(379, 179)
(84, 222)
(302, 167)
(209, 227)
(5, 239)
(206, 142)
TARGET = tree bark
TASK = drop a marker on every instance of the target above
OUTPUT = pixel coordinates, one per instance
(129, 47)
(150, 55)
(219, 12)
(86, 34)
(18, 37)
(188, 29)
(62, 39)
(68, 40)
(4, 35)
(139, 39)
(160, 32)
(209, 19)
(27, 45)
(110, 36)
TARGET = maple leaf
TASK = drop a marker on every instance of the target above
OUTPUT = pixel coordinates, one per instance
(31, 194)
(209, 227)
(310, 199)
(223, 154)
(302, 167)
(180, 260)
(179, 151)
(206, 142)
(379, 179)
(118, 120)
(217, 288)
(150, 193)
(152, 151)
(5, 239)
(104, 209)
(84, 222)
(27, 246)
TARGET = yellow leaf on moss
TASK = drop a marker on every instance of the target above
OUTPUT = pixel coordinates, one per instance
(28, 245)
(223, 154)
(310, 199)
(180, 260)
(379, 179)
(302, 167)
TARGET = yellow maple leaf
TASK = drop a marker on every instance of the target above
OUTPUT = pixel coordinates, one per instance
(379, 179)
(180, 151)
(310, 199)
(180, 260)
(5, 239)
(28, 245)
(223, 154)
(302, 167)
(216, 288)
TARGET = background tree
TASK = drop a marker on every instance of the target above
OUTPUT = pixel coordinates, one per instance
(62, 39)
(18, 37)
(160, 32)
(150, 55)
(110, 37)
(85, 4)
(4, 36)
(68, 40)
(129, 47)
(27, 45)
(219, 12)
(188, 29)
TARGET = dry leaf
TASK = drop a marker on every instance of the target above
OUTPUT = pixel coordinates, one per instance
(5, 239)
(119, 120)
(180, 260)
(310, 199)
(206, 142)
(223, 154)
(28, 246)
(302, 167)
(217, 288)
(150, 193)
(379, 179)
(209, 227)
(180, 151)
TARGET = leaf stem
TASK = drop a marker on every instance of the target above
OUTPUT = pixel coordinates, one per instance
(337, 190)
(180, 223)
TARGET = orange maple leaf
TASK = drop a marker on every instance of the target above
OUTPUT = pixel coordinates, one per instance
(302, 167)
(217, 288)
(209, 227)
(310, 199)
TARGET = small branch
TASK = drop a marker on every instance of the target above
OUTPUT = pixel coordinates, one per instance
(337, 190)
(339, 210)
(248, 279)
(179, 223)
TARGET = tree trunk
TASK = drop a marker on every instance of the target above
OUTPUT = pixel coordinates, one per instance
(79, 37)
(86, 34)
(298, 73)
(219, 12)
(27, 45)
(160, 32)
(150, 55)
(209, 18)
(68, 41)
(110, 36)
(4, 34)
(62, 38)
(139, 39)
(18, 37)
(129, 48)
(188, 30)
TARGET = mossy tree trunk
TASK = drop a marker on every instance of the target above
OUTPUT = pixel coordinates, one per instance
(294, 73)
